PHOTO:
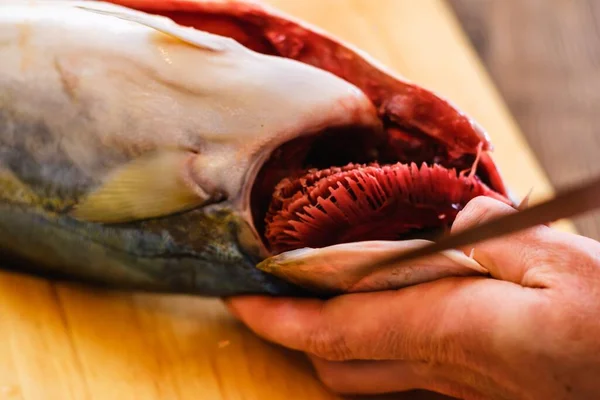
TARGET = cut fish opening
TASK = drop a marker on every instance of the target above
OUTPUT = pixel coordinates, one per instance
(350, 184)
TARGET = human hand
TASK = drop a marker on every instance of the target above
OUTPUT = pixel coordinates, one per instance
(532, 332)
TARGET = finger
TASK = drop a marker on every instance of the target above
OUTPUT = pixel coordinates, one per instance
(369, 377)
(529, 257)
(381, 377)
(436, 321)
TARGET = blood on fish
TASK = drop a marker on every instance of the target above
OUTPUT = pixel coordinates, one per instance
(366, 202)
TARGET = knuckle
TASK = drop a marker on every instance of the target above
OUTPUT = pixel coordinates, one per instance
(414, 346)
(548, 257)
(391, 342)
(534, 263)
(425, 368)
(329, 344)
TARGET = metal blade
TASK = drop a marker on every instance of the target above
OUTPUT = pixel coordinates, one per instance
(568, 203)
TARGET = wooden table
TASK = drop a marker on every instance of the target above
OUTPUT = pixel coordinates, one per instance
(67, 342)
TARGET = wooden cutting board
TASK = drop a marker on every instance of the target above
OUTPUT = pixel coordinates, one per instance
(67, 342)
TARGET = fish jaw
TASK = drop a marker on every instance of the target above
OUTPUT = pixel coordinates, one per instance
(341, 268)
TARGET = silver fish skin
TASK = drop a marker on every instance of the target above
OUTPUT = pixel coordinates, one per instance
(89, 90)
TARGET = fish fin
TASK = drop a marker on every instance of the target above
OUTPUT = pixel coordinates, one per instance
(341, 268)
(194, 37)
(525, 202)
(151, 186)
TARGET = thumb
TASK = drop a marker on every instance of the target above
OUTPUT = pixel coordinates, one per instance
(528, 257)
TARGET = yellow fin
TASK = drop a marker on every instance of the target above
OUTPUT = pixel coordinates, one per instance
(151, 186)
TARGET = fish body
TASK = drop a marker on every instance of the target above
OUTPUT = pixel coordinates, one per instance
(130, 143)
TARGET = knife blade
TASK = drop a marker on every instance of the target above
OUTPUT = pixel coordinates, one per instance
(572, 201)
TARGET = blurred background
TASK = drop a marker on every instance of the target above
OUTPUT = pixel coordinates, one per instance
(544, 57)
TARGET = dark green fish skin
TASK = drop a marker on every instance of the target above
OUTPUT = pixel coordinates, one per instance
(170, 255)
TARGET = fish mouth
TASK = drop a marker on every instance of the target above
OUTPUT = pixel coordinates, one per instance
(353, 184)
(350, 183)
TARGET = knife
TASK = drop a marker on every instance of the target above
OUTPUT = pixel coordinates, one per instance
(575, 200)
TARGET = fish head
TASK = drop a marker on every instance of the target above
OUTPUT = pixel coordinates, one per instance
(245, 109)
(311, 114)
(276, 138)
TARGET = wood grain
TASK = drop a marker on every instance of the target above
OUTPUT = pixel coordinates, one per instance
(544, 55)
(69, 342)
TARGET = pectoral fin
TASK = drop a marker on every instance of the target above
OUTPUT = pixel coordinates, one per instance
(154, 185)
